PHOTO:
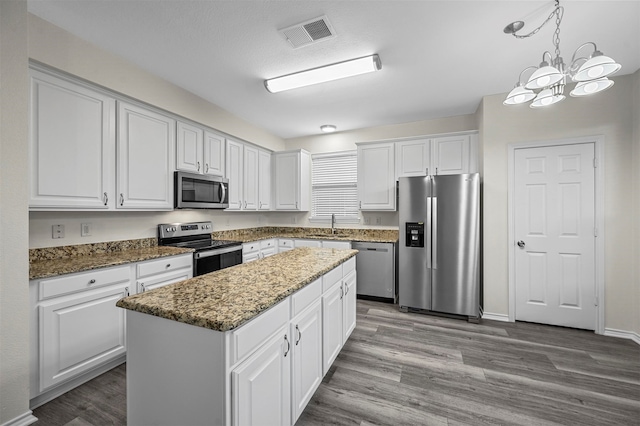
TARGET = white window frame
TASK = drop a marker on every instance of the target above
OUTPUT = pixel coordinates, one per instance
(351, 182)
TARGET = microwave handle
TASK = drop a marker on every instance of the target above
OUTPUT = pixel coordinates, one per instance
(224, 192)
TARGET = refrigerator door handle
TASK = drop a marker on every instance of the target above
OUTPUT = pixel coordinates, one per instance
(434, 233)
(427, 239)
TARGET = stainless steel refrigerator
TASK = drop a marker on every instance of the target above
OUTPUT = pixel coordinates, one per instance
(439, 253)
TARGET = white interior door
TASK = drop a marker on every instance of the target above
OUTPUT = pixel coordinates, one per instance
(554, 192)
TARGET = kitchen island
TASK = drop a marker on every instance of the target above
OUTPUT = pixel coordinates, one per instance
(244, 345)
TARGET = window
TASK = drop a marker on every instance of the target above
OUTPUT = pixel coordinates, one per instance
(335, 186)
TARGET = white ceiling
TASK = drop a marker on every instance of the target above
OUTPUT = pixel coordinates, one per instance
(438, 57)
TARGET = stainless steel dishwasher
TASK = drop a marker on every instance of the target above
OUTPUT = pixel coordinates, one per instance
(375, 266)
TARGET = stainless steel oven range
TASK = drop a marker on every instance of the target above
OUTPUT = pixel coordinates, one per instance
(210, 255)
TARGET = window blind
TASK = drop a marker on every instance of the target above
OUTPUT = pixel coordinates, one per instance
(334, 186)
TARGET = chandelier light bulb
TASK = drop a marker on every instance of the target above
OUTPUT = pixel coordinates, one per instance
(544, 76)
(546, 98)
(586, 88)
(519, 95)
(597, 67)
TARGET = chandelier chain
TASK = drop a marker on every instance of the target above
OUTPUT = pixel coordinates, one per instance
(535, 31)
(556, 35)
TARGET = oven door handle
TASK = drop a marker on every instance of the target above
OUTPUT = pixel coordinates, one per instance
(209, 253)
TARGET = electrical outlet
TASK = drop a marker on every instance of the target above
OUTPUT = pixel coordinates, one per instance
(294, 219)
(57, 231)
(85, 229)
(378, 220)
(367, 220)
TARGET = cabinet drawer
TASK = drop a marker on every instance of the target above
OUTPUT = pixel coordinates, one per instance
(331, 277)
(84, 281)
(306, 296)
(348, 266)
(165, 264)
(285, 243)
(249, 336)
(265, 244)
(250, 247)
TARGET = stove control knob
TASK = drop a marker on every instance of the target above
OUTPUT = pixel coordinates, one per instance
(174, 229)
(168, 229)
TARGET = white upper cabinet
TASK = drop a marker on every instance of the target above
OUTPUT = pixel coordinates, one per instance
(250, 186)
(264, 180)
(214, 157)
(249, 173)
(292, 180)
(413, 157)
(450, 155)
(189, 148)
(376, 176)
(235, 166)
(72, 146)
(146, 142)
(445, 155)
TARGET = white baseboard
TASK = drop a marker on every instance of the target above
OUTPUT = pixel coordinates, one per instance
(495, 317)
(622, 334)
(23, 420)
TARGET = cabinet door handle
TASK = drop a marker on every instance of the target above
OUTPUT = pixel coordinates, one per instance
(105, 198)
(296, 204)
(143, 287)
(436, 171)
(346, 289)
(299, 335)
(126, 291)
(288, 346)
(206, 167)
(198, 164)
(121, 199)
(360, 205)
(341, 292)
(92, 281)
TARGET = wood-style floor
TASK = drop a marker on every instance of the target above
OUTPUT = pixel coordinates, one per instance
(417, 369)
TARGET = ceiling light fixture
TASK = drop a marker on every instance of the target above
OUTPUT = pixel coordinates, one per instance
(546, 84)
(323, 74)
(328, 128)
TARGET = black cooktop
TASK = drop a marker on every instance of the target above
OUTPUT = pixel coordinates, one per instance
(200, 245)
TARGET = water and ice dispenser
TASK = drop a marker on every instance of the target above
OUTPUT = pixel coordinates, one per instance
(414, 234)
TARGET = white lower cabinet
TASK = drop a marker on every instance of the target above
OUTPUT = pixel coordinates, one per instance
(258, 250)
(306, 333)
(285, 245)
(331, 325)
(76, 330)
(349, 305)
(307, 243)
(79, 332)
(336, 244)
(261, 384)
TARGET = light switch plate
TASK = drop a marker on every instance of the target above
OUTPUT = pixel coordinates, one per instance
(85, 229)
(57, 231)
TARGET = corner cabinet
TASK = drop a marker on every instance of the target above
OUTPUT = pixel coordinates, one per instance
(292, 180)
(146, 142)
(376, 176)
(71, 146)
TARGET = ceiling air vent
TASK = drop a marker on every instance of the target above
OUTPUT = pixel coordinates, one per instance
(305, 33)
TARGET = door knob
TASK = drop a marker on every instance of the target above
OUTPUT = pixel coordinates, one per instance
(521, 244)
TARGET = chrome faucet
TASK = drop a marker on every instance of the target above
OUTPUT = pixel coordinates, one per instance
(333, 223)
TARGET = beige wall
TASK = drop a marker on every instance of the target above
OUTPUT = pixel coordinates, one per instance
(608, 113)
(344, 141)
(636, 196)
(55, 47)
(14, 227)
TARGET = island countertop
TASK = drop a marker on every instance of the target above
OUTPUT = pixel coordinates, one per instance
(226, 299)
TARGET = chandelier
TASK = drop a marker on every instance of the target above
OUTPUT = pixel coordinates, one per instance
(546, 84)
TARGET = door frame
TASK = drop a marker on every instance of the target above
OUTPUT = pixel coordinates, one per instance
(598, 141)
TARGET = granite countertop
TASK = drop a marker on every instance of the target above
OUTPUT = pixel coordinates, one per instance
(44, 267)
(342, 234)
(226, 299)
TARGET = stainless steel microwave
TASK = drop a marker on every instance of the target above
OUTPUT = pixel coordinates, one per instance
(193, 191)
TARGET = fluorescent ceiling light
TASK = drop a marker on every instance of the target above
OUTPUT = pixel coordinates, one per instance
(323, 74)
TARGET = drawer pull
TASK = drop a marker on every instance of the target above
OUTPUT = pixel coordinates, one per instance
(168, 265)
(92, 281)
